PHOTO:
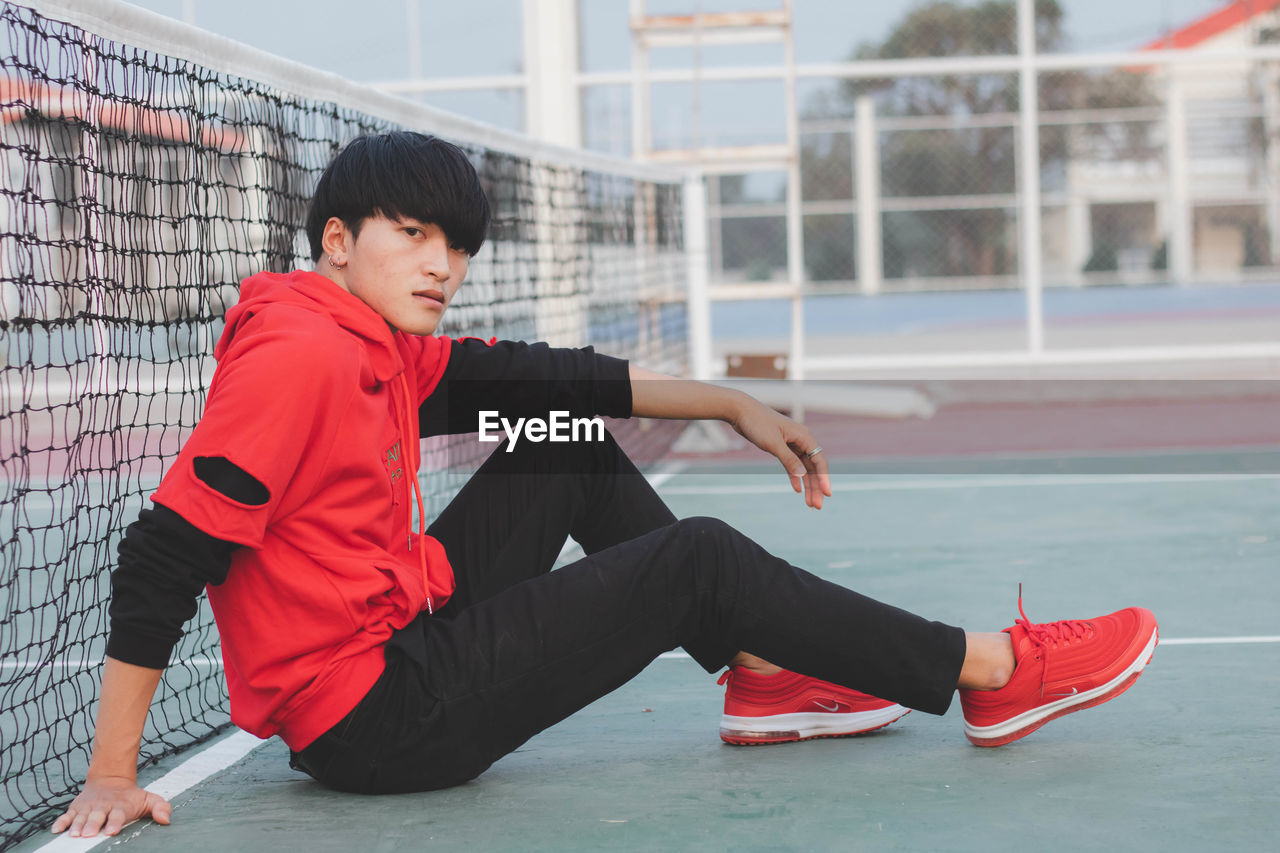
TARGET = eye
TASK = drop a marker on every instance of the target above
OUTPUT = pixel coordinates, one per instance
(412, 232)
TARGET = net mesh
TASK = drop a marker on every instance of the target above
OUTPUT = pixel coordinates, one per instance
(136, 190)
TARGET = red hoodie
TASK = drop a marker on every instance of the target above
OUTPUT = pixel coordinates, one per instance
(317, 399)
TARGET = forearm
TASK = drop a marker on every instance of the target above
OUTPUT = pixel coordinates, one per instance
(654, 395)
(127, 691)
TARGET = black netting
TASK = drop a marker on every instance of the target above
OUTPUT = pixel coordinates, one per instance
(136, 190)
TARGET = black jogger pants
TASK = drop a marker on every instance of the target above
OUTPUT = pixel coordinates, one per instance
(520, 647)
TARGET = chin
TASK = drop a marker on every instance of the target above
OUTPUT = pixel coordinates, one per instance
(422, 328)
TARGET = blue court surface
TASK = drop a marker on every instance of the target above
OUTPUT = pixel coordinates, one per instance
(1188, 759)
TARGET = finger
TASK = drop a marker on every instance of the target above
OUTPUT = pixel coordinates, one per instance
(810, 484)
(116, 820)
(822, 473)
(823, 470)
(77, 824)
(161, 811)
(813, 492)
(63, 821)
(794, 467)
(817, 481)
(89, 827)
(92, 826)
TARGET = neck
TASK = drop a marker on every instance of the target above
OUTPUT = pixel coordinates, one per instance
(324, 268)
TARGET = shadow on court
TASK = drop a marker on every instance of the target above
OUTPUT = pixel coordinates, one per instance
(1185, 760)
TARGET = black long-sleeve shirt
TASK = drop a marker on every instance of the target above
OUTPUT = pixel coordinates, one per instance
(165, 561)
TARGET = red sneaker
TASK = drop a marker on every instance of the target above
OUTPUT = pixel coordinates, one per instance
(1061, 667)
(789, 707)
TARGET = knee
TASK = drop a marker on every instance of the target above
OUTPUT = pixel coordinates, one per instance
(704, 531)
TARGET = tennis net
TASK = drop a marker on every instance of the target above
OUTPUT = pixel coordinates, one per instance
(143, 173)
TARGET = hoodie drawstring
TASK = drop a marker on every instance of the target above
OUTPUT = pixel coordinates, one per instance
(409, 438)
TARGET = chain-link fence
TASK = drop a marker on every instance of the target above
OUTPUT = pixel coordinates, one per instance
(1157, 177)
(1148, 174)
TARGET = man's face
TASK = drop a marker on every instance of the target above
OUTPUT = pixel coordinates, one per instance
(405, 270)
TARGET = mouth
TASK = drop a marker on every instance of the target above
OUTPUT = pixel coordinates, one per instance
(430, 296)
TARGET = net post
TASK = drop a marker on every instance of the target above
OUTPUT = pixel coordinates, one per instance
(695, 246)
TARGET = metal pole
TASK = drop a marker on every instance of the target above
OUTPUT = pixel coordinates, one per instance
(553, 108)
(1180, 228)
(1270, 74)
(641, 129)
(695, 246)
(866, 158)
(413, 30)
(795, 223)
(1030, 249)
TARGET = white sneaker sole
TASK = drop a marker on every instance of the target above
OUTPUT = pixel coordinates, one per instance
(787, 728)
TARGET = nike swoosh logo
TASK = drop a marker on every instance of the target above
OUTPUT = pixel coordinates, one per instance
(1074, 691)
(823, 706)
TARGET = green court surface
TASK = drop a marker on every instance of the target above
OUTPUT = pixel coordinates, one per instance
(1189, 759)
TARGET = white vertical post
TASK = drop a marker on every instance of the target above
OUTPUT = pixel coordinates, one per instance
(1270, 74)
(97, 267)
(795, 372)
(1180, 228)
(1079, 240)
(1029, 256)
(641, 121)
(695, 247)
(413, 29)
(553, 114)
(715, 237)
(795, 224)
(866, 161)
(641, 146)
(553, 108)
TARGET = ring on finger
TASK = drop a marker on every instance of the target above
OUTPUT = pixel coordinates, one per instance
(814, 452)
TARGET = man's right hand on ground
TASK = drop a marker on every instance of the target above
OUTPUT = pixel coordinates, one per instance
(108, 804)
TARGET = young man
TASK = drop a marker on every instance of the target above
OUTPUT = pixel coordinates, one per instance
(392, 656)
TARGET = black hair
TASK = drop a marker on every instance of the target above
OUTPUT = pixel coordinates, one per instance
(398, 175)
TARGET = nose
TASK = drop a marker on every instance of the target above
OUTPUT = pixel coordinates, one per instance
(435, 255)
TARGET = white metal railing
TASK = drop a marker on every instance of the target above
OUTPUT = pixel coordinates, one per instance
(1180, 192)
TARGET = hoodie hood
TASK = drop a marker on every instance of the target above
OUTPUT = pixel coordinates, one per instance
(311, 291)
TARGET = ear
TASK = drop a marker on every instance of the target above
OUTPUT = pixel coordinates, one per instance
(336, 239)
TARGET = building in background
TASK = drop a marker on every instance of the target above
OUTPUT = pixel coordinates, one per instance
(1204, 163)
(119, 234)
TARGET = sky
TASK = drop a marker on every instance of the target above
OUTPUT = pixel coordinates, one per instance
(463, 38)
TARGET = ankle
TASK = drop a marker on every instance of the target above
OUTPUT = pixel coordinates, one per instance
(758, 665)
(988, 662)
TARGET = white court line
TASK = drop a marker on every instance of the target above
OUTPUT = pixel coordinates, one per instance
(1178, 641)
(90, 663)
(967, 481)
(189, 773)
(1217, 641)
(665, 472)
